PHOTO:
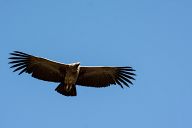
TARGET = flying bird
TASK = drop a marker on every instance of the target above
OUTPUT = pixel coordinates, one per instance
(70, 75)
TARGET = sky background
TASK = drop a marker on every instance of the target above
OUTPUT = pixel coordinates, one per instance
(154, 37)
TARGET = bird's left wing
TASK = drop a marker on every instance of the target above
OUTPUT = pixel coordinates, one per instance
(40, 68)
(105, 76)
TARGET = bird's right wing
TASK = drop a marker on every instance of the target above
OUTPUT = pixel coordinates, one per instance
(40, 68)
(105, 76)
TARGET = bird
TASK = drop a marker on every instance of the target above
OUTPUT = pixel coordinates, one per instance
(70, 75)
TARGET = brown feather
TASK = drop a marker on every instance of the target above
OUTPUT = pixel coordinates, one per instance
(105, 76)
(40, 68)
(48, 70)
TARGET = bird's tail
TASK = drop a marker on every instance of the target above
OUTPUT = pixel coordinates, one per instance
(62, 90)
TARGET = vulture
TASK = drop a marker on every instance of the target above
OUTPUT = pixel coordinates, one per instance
(70, 75)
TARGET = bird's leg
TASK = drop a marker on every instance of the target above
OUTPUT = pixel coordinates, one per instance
(68, 87)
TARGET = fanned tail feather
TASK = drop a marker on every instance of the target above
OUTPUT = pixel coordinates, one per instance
(62, 90)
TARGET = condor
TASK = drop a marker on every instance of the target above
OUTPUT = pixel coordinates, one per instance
(70, 75)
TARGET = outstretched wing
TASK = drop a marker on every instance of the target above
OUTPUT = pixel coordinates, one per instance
(40, 68)
(105, 76)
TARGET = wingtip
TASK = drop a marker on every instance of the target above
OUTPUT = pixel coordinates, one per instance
(15, 53)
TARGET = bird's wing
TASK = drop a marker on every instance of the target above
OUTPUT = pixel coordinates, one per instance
(105, 76)
(40, 68)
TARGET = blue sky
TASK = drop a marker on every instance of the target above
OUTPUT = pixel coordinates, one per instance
(154, 37)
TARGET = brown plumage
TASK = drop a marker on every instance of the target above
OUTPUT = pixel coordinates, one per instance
(70, 75)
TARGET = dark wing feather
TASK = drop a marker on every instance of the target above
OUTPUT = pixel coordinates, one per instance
(105, 76)
(40, 68)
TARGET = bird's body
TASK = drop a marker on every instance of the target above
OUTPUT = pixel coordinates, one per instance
(70, 75)
(69, 80)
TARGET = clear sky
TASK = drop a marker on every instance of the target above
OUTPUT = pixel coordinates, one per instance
(154, 37)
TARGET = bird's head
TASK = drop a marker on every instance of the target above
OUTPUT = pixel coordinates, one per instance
(74, 67)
